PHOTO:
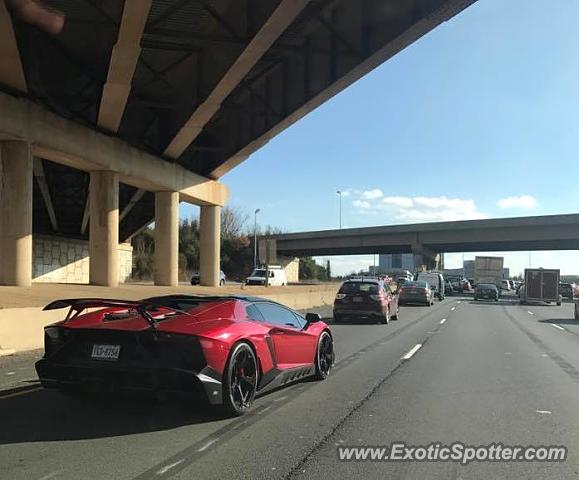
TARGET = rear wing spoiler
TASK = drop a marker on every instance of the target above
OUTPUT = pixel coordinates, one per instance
(78, 305)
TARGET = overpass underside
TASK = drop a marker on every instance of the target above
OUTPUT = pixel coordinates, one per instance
(112, 112)
(499, 246)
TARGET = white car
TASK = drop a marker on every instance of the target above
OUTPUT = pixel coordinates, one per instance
(277, 277)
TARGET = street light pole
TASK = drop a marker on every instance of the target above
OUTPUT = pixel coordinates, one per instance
(340, 195)
(255, 237)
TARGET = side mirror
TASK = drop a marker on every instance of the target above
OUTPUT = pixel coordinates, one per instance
(312, 318)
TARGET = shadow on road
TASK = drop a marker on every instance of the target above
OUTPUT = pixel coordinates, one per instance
(51, 416)
(560, 321)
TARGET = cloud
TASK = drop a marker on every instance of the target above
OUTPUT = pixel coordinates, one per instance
(522, 201)
(403, 202)
(363, 204)
(408, 209)
(372, 194)
(444, 215)
(444, 202)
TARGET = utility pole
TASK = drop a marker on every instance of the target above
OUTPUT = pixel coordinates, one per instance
(257, 210)
(340, 195)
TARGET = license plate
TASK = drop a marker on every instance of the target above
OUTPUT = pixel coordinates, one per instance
(105, 352)
(358, 299)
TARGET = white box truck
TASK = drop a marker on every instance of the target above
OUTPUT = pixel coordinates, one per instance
(488, 270)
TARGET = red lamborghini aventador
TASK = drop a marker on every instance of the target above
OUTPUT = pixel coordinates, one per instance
(227, 349)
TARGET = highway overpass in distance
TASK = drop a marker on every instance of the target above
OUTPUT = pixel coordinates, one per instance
(548, 232)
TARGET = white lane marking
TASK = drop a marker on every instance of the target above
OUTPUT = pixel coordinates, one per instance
(50, 475)
(508, 353)
(530, 313)
(412, 352)
(544, 355)
(166, 468)
(10, 373)
(442, 321)
(557, 326)
(458, 301)
(207, 445)
(545, 412)
(453, 309)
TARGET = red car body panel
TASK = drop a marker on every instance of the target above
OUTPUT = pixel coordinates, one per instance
(216, 324)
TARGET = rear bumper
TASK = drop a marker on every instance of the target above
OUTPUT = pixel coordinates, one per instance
(358, 312)
(422, 299)
(114, 378)
(488, 296)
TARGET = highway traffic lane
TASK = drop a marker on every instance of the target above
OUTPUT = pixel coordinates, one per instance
(479, 380)
(44, 433)
(551, 329)
(272, 448)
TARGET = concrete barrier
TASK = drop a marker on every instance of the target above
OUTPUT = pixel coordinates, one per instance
(21, 329)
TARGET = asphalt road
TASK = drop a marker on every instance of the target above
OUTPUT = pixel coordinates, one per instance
(488, 373)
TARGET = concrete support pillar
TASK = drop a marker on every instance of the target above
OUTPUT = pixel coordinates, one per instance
(210, 245)
(104, 228)
(167, 238)
(424, 259)
(15, 214)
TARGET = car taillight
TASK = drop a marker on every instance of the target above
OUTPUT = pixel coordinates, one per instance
(340, 296)
(54, 339)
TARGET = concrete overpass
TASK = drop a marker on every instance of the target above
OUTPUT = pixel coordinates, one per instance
(425, 240)
(113, 112)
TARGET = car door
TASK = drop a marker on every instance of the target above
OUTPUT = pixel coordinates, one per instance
(293, 346)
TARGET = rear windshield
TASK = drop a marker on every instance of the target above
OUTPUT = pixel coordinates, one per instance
(355, 287)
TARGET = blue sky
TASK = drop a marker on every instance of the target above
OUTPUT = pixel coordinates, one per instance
(481, 110)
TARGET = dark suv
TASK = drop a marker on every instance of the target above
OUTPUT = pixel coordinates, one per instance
(365, 298)
(488, 291)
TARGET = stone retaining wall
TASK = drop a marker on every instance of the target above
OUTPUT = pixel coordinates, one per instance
(65, 260)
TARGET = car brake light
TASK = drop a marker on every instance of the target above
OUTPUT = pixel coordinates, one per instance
(339, 296)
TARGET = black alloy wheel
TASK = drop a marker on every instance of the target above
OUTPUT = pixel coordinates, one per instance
(324, 356)
(241, 380)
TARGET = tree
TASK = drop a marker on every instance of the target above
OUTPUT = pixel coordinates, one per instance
(236, 246)
(310, 270)
(143, 252)
(233, 222)
(189, 243)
